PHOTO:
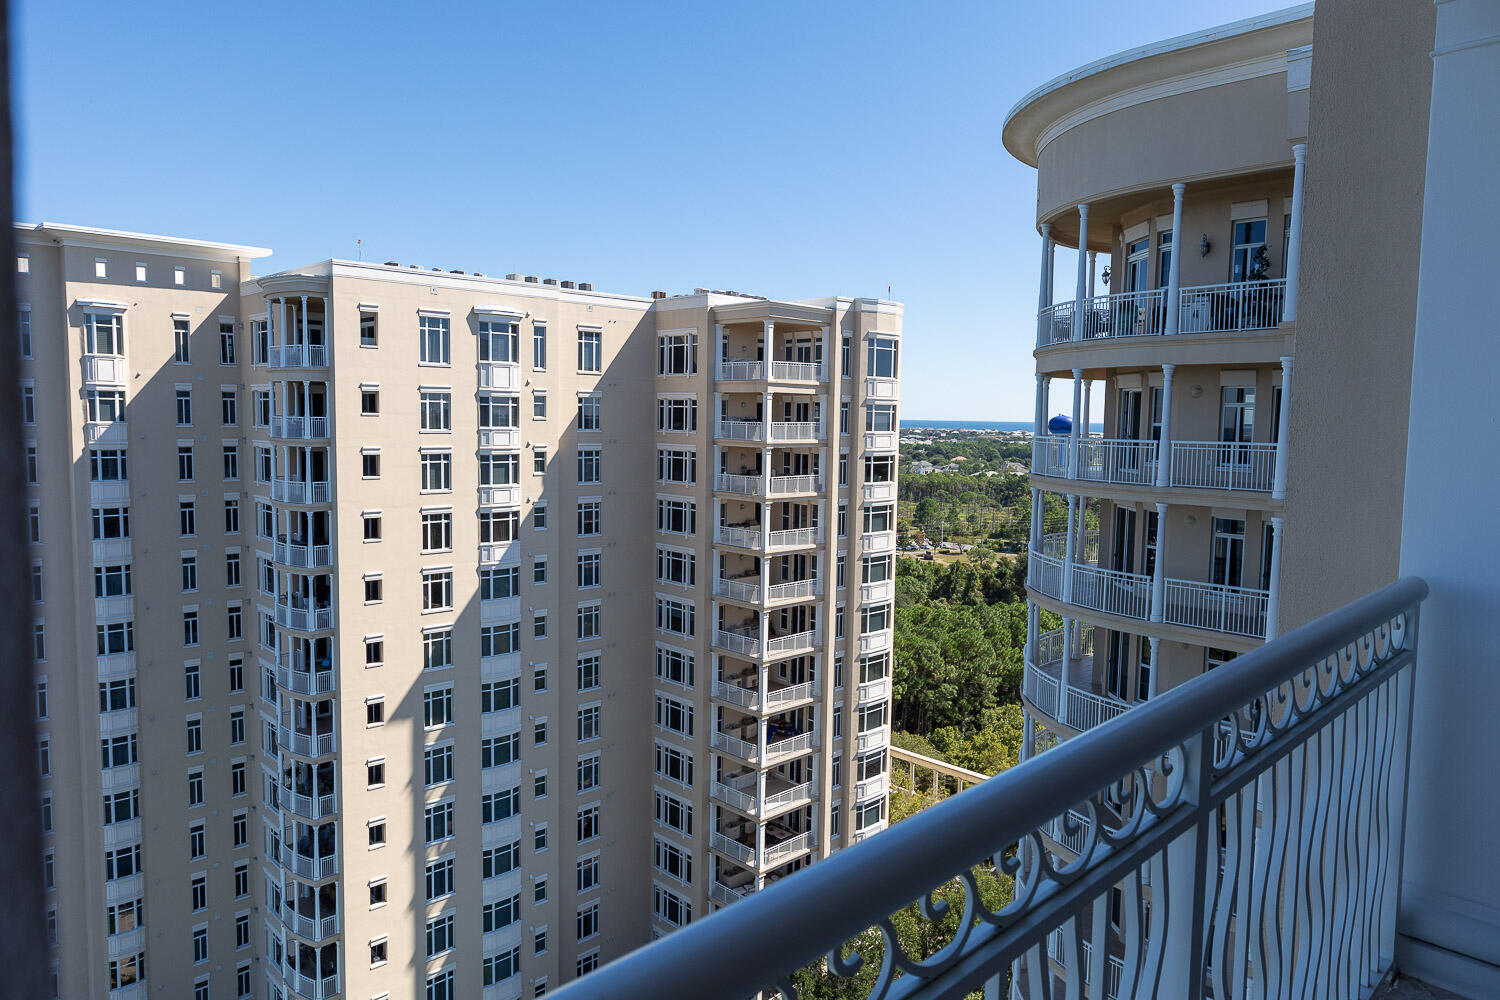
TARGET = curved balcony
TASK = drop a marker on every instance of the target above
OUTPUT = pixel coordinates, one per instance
(1248, 466)
(126, 720)
(775, 699)
(306, 744)
(299, 491)
(310, 807)
(299, 428)
(297, 356)
(1189, 603)
(873, 739)
(876, 690)
(304, 618)
(872, 788)
(310, 928)
(313, 869)
(877, 541)
(302, 556)
(1235, 307)
(1079, 704)
(875, 642)
(876, 492)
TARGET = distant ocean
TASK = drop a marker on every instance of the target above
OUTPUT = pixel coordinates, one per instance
(974, 425)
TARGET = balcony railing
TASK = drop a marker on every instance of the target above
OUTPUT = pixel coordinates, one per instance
(308, 868)
(1240, 610)
(308, 806)
(303, 556)
(795, 430)
(797, 371)
(741, 371)
(299, 428)
(737, 642)
(306, 619)
(1203, 465)
(298, 356)
(1229, 308)
(725, 482)
(739, 430)
(306, 682)
(733, 534)
(795, 538)
(786, 486)
(1072, 706)
(108, 368)
(1215, 465)
(1305, 900)
(785, 645)
(297, 491)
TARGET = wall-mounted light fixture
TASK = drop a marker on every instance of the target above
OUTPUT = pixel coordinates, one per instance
(1204, 246)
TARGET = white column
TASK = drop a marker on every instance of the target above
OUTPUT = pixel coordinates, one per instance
(1283, 414)
(770, 338)
(1033, 623)
(305, 336)
(1070, 628)
(719, 353)
(1069, 552)
(1174, 269)
(1155, 662)
(1080, 289)
(1046, 400)
(1073, 436)
(1044, 290)
(1273, 596)
(1088, 409)
(1164, 446)
(1039, 424)
(1093, 261)
(1036, 519)
(1294, 238)
(281, 322)
(1159, 572)
(1028, 736)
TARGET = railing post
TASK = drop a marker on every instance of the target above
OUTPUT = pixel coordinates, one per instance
(1278, 485)
(1164, 445)
(1080, 288)
(1174, 269)
(1068, 549)
(1070, 627)
(1294, 236)
(1187, 881)
(1155, 660)
(1158, 576)
(1044, 284)
(1073, 437)
(1273, 586)
(1039, 423)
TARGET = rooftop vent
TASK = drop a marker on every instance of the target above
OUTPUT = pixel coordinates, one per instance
(437, 269)
(530, 279)
(549, 281)
(457, 270)
(512, 276)
(478, 274)
(393, 263)
(700, 291)
(415, 267)
(569, 284)
(658, 295)
(585, 286)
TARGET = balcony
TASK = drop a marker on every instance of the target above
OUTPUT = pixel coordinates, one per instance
(776, 751)
(742, 371)
(299, 428)
(874, 492)
(797, 371)
(304, 618)
(878, 689)
(1202, 465)
(105, 369)
(306, 744)
(113, 666)
(724, 895)
(796, 432)
(873, 739)
(302, 556)
(750, 486)
(1189, 603)
(499, 437)
(748, 644)
(742, 536)
(301, 491)
(875, 642)
(309, 807)
(1238, 307)
(110, 549)
(877, 541)
(313, 869)
(505, 495)
(794, 538)
(109, 491)
(119, 779)
(873, 788)
(120, 890)
(310, 928)
(795, 486)
(880, 590)
(748, 590)
(739, 430)
(1081, 703)
(776, 699)
(313, 988)
(1342, 798)
(740, 794)
(305, 682)
(126, 720)
(107, 608)
(105, 433)
(298, 356)
(743, 643)
(772, 855)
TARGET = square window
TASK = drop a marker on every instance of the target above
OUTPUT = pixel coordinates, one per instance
(370, 465)
(369, 402)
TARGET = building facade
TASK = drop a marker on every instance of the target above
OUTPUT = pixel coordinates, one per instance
(1156, 547)
(512, 623)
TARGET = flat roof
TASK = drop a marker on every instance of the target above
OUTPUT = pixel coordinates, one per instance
(94, 234)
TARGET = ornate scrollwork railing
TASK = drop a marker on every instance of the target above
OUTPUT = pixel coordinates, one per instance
(1238, 836)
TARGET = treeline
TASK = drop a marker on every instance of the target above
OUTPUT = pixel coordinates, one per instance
(986, 452)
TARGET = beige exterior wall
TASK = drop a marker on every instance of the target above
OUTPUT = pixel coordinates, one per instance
(1363, 224)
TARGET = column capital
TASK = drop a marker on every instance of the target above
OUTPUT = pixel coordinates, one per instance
(1072, 500)
(1177, 190)
(1286, 363)
(1277, 522)
(1046, 230)
(1161, 508)
(1077, 373)
(1167, 370)
(1040, 377)
(1083, 209)
(1299, 153)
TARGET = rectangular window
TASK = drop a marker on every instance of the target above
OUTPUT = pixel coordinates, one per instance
(673, 715)
(180, 338)
(499, 525)
(437, 707)
(438, 822)
(590, 415)
(674, 813)
(670, 907)
(497, 410)
(437, 590)
(675, 616)
(435, 410)
(437, 472)
(674, 665)
(588, 671)
(499, 341)
(432, 338)
(677, 353)
(590, 351)
(497, 696)
(497, 751)
(500, 640)
(676, 566)
(674, 764)
(437, 649)
(539, 346)
(226, 342)
(675, 414)
(676, 517)
(589, 465)
(589, 518)
(497, 583)
(672, 861)
(437, 763)
(105, 406)
(676, 465)
(369, 322)
(539, 404)
(497, 468)
(588, 576)
(881, 357)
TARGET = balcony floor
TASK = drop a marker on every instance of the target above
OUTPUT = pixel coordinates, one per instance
(1085, 673)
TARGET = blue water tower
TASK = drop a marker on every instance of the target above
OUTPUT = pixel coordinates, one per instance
(1060, 424)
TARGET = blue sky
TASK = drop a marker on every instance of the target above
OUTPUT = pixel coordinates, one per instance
(787, 149)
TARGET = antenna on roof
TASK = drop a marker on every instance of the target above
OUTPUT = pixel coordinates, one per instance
(359, 249)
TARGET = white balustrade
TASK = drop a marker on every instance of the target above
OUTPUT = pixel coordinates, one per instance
(1044, 573)
(792, 430)
(874, 492)
(779, 697)
(1049, 455)
(721, 893)
(796, 371)
(785, 486)
(794, 590)
(791, 746)
(1055, 325)
(126, 720)
(1225, 308)
(725, 482)
(735, 799)
(299, 428)
(872, 787)
(745, 538)
(1117, 460)
(741, 371)
(733, 848)
(1224, 465)
(877, 690)
(1111, 591)
(737, 642)
(775, 854)
(739, 430)
(305, 682)
(743, 749)
(877, 541)
(303, 556)
(783, 645)
(298, 491)
(795, 538)
(504, 495)
(306, 619)
(738, 590)
(1221, 608)
(881, 590)
(1232, 307)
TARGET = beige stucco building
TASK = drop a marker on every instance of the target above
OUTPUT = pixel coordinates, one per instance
(453, 634)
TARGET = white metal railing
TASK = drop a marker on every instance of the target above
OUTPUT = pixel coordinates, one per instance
(312, 868)
(1238, 610)
(298, 491)
(736, 695)
(733, 848)
(1161, 789)
(305, 682)
(741, 371)
(1117, 460)
(796, 371)
(1216, 465)
(794, 485)
(1049, 454)
(726, 482)
(735, 799)
(1123, 314)
(739, 430)
(796, 430)
(779, 697)
(721, 893)
(791, 745)
(1111, 591)
(789, 796)
(737, 642)
(308, 806)
(789, 538)
(306, 619)
(299, 428)
(307, 744)
(298, 356)
(743, 749)
(794, 590)
(1054, 324)
(738, 590)
(729, 534)
(304, 556)
(1044, 573)
(775, 854)
(783, 644)
(1055, 544)
(1231, 307)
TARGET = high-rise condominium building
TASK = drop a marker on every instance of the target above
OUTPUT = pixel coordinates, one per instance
(407, 632)
(1181, 164)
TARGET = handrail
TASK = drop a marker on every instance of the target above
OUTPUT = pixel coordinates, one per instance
(758, 942)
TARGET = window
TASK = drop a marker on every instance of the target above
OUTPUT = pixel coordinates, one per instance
(588, 962)
(112, 581)
(369, 402)
(498, 525)
(539, 570)
(589, 516)
(28, 404)
(187, 518)
(497, 696)
(229, 408)
(881, 357)
(499, 640)
(23, 328)
(673, 715)
(588, 723)
(104, 333)
(1247, 258)
(369, 465)
(33, 472)
(676, 465)
(106, 465)
(677, 353)
(194, 681)
(539, 404)
(844, 417)
(676, 616)
(675, 414)
(371, 527)
(497, 583)
(588, 922)
(880, 417)
(502, 468)
(437, 531)
(676, 566)
(672, 861)
(497, 751)
(439, 822)
(435, 407)
(674, 665)
(539, 346)
(438, 764)
(195, 787)
(116, 637)
(590, 417)
(539, 733)
(374, 651)
(674, 813)
(185, 463)
(502, 860)
(437, 707)
(588, 576)
(539, 460)
(588, 465)
(369, 322)
(588, 824)
(677, 517)
(231, 461)
(34, 522)
(437, 472)
(432, 337)
(499, 411)
(101, 267)
(190, 627)
(539, 624)
(670, 907)
(226, 342)
(439, 935)
(374, 712)
(179, 276)
(590, 350)
(376, 836)
(232, 521)
(501, 805)
(437, 649)
(674, 764)
(499, 968)
(105, 406)
(440, 986)
(437, 590)
(378, 952)
(588, 772)
(180, 338)
(440, 878)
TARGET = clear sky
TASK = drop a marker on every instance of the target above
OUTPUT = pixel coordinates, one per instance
(786, 149)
